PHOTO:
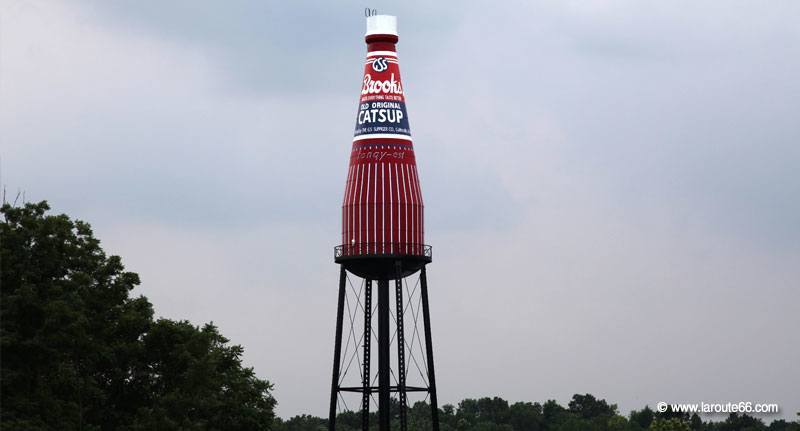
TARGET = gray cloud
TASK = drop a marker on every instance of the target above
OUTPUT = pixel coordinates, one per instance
(269, 47)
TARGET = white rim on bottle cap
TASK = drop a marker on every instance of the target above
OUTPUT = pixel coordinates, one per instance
(382, 24)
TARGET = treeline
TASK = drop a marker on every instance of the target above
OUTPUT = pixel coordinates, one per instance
(583, 413)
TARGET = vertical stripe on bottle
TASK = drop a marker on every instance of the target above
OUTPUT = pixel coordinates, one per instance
(412, 207)
(396, 227)
(417, 206)
(374, 206)
(383, 208)
(404, 225)
(391, 212)
(421, 207)
(346, 205)
(360, 210)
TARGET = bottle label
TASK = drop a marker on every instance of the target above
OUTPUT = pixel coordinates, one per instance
(382, 107)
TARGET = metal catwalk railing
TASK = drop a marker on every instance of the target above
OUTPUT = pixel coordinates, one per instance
(382, 249)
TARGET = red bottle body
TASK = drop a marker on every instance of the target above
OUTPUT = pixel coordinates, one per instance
(382, 212)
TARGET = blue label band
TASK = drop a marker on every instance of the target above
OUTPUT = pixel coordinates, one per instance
(385, 117)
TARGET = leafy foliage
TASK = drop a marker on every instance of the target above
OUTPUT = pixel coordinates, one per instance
(583, 413)
(79, 352)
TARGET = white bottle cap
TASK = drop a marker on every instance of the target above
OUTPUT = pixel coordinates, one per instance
(382, 24)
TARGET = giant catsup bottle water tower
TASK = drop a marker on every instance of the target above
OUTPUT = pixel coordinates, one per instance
(382, 241)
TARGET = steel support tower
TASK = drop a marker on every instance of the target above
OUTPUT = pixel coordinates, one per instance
(383, 331)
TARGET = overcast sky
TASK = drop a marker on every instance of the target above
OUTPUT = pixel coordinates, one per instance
(612, 189)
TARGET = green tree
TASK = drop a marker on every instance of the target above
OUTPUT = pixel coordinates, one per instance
(783, 425)
(588, 407)
(695, 422)
(524, 416)
(303, 423)
(554, 414)
(199, 382)
(419, 416)
(618, 423)
(79, 352)
(493, 410)
(743, 422)
(574, 423)
(671, 424)
(643, 417)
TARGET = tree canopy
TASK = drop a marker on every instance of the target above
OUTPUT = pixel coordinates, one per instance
(79, 352)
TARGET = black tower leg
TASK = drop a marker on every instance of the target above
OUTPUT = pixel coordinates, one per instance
(426, 316)
(337, 351)
(401, 353)
(366, 381)
(384, 414)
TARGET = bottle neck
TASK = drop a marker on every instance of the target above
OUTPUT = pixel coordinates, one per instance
(381, 42)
